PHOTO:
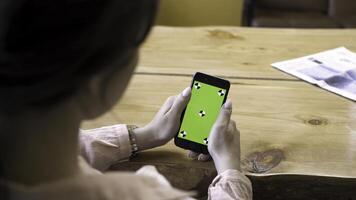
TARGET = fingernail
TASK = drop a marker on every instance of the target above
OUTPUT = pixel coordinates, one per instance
(203, 157)
(200, 158)
(228, 104)
(192, 155)
(186, 92)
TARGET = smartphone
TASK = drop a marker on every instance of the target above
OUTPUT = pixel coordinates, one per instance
(209, 93)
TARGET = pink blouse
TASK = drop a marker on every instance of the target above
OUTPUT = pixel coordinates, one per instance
(106, 146)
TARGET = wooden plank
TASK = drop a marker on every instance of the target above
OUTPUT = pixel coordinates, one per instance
(298, 141)
(276, 187)
(297, 187)
(287, 127)
(235, 51)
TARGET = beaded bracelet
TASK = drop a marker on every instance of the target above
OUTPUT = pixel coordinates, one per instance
(133, 141)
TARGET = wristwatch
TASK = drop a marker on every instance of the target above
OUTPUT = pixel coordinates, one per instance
(133, 141)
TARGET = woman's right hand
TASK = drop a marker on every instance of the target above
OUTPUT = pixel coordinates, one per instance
(224, 141)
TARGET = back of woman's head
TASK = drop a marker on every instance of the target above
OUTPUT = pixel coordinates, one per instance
(48, 48)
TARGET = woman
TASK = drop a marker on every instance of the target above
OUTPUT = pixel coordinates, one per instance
(62, 62)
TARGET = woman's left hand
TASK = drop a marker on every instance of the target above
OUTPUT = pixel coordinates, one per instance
(165, 124)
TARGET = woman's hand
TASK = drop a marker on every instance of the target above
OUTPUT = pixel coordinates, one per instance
(165, 124)
(224, 141)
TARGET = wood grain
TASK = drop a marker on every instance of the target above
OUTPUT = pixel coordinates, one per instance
(312, 128)
(233, 51)
(297, 140)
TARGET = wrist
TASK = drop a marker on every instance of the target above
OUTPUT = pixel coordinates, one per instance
(223, 164)
(144, 138)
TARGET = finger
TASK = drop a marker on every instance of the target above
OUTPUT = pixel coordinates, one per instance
(181, 101)
(204, 157)
(225, 114)
(221, 124)
(235, 130)
(232, 125)
(233, 133)
(193, 155)
(167, 105)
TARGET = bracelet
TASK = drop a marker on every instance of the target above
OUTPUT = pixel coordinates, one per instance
(132, 137)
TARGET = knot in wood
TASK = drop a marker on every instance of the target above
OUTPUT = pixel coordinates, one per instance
(222, 34)
(318, 121)
(313, 120)
(261, 162)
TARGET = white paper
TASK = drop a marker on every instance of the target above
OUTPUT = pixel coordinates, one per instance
(333, 70)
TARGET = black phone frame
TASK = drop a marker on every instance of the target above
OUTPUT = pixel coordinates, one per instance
(210, 80)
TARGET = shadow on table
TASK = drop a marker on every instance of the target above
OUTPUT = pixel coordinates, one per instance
(197, 176)
(298, 187)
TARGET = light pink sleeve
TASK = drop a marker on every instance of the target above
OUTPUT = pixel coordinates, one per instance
(230, 185)
(103, 147)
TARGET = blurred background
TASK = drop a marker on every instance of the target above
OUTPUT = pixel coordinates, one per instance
(259, 13)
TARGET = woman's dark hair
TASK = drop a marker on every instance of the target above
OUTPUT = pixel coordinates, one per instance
(48, 48)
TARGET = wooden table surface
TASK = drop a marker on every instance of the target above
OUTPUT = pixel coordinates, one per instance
(291, 131)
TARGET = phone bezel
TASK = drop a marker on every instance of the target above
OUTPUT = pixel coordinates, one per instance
(210, 80)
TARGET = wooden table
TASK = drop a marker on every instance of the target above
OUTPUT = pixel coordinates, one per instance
(297, 140)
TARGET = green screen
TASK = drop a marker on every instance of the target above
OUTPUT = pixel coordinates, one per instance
(201, 112)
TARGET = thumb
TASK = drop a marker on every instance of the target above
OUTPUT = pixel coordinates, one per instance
(181, 101)
(221, 124)
(225, 114)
